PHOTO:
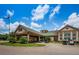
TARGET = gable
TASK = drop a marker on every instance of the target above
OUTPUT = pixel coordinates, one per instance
(20, 30)
(68, 28)
(25, 30)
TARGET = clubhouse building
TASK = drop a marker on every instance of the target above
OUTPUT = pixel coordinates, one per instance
(64, 34)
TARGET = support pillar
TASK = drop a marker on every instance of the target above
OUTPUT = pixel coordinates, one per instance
(28, 37)
(76, 35)
(63, 36)
(71, 36)
(58, 36)
(39, 38)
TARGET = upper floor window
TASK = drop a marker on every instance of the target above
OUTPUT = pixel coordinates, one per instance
(60, 34)
(74, 38)
(74, 34)
(60, 38)
(67, 28)
(66, 34)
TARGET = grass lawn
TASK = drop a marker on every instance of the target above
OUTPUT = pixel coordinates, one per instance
(21, 45)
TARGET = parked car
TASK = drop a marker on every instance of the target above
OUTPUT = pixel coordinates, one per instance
(71, 42)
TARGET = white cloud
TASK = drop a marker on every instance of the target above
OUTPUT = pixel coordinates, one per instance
(35, 25)
(61, 26)
(56, 25)
(14, 25)
(73, 15)
(3, 28)
(72, 20)
(2, 24)
(25, 18)
(55, 28)
(54, 11)
(39, 12)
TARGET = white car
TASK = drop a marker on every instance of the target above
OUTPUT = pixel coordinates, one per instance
(71, 42)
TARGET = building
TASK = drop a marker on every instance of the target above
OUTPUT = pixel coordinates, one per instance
(31, 34)
(68, 33)
(64, 34)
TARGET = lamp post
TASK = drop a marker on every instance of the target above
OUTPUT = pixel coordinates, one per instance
(9, 18)
(9, 25)
(9, 15)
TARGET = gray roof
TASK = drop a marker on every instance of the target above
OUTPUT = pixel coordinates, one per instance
(29, 29)
(50, 33)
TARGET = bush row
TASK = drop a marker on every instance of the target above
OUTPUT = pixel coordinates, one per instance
(3, 36)
(22, 40)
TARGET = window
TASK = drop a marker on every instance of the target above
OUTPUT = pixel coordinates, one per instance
(74, 34)
(67, 28)
(60, 38)
(65, 38)
(60, 34)
(74, 38)
(20, 29)
(67, 34)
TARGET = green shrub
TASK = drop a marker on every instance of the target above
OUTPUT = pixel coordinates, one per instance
(23, 40)
(3, 36)
(12, 39)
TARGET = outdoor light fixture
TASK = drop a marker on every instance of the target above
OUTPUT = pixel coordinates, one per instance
(8, 16)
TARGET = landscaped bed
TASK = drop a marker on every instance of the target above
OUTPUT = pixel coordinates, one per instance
(22, 45)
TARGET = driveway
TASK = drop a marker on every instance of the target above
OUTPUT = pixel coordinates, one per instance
(50, 49)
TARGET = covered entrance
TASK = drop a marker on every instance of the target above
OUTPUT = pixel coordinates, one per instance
(31, 35)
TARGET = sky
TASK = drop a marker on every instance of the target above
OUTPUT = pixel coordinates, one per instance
(38, 16)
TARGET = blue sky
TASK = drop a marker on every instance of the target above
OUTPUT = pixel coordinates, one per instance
(39, 16)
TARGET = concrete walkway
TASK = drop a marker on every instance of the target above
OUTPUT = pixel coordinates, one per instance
(50, 49)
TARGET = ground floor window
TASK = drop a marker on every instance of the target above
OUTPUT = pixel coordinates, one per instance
(60, 38)
(74, 38)
(66, 39)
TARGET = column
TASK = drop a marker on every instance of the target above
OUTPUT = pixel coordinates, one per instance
(58, 36)
(28, 37)
(39, 38)
(71, 36)
(62, 35)
(76, 35)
